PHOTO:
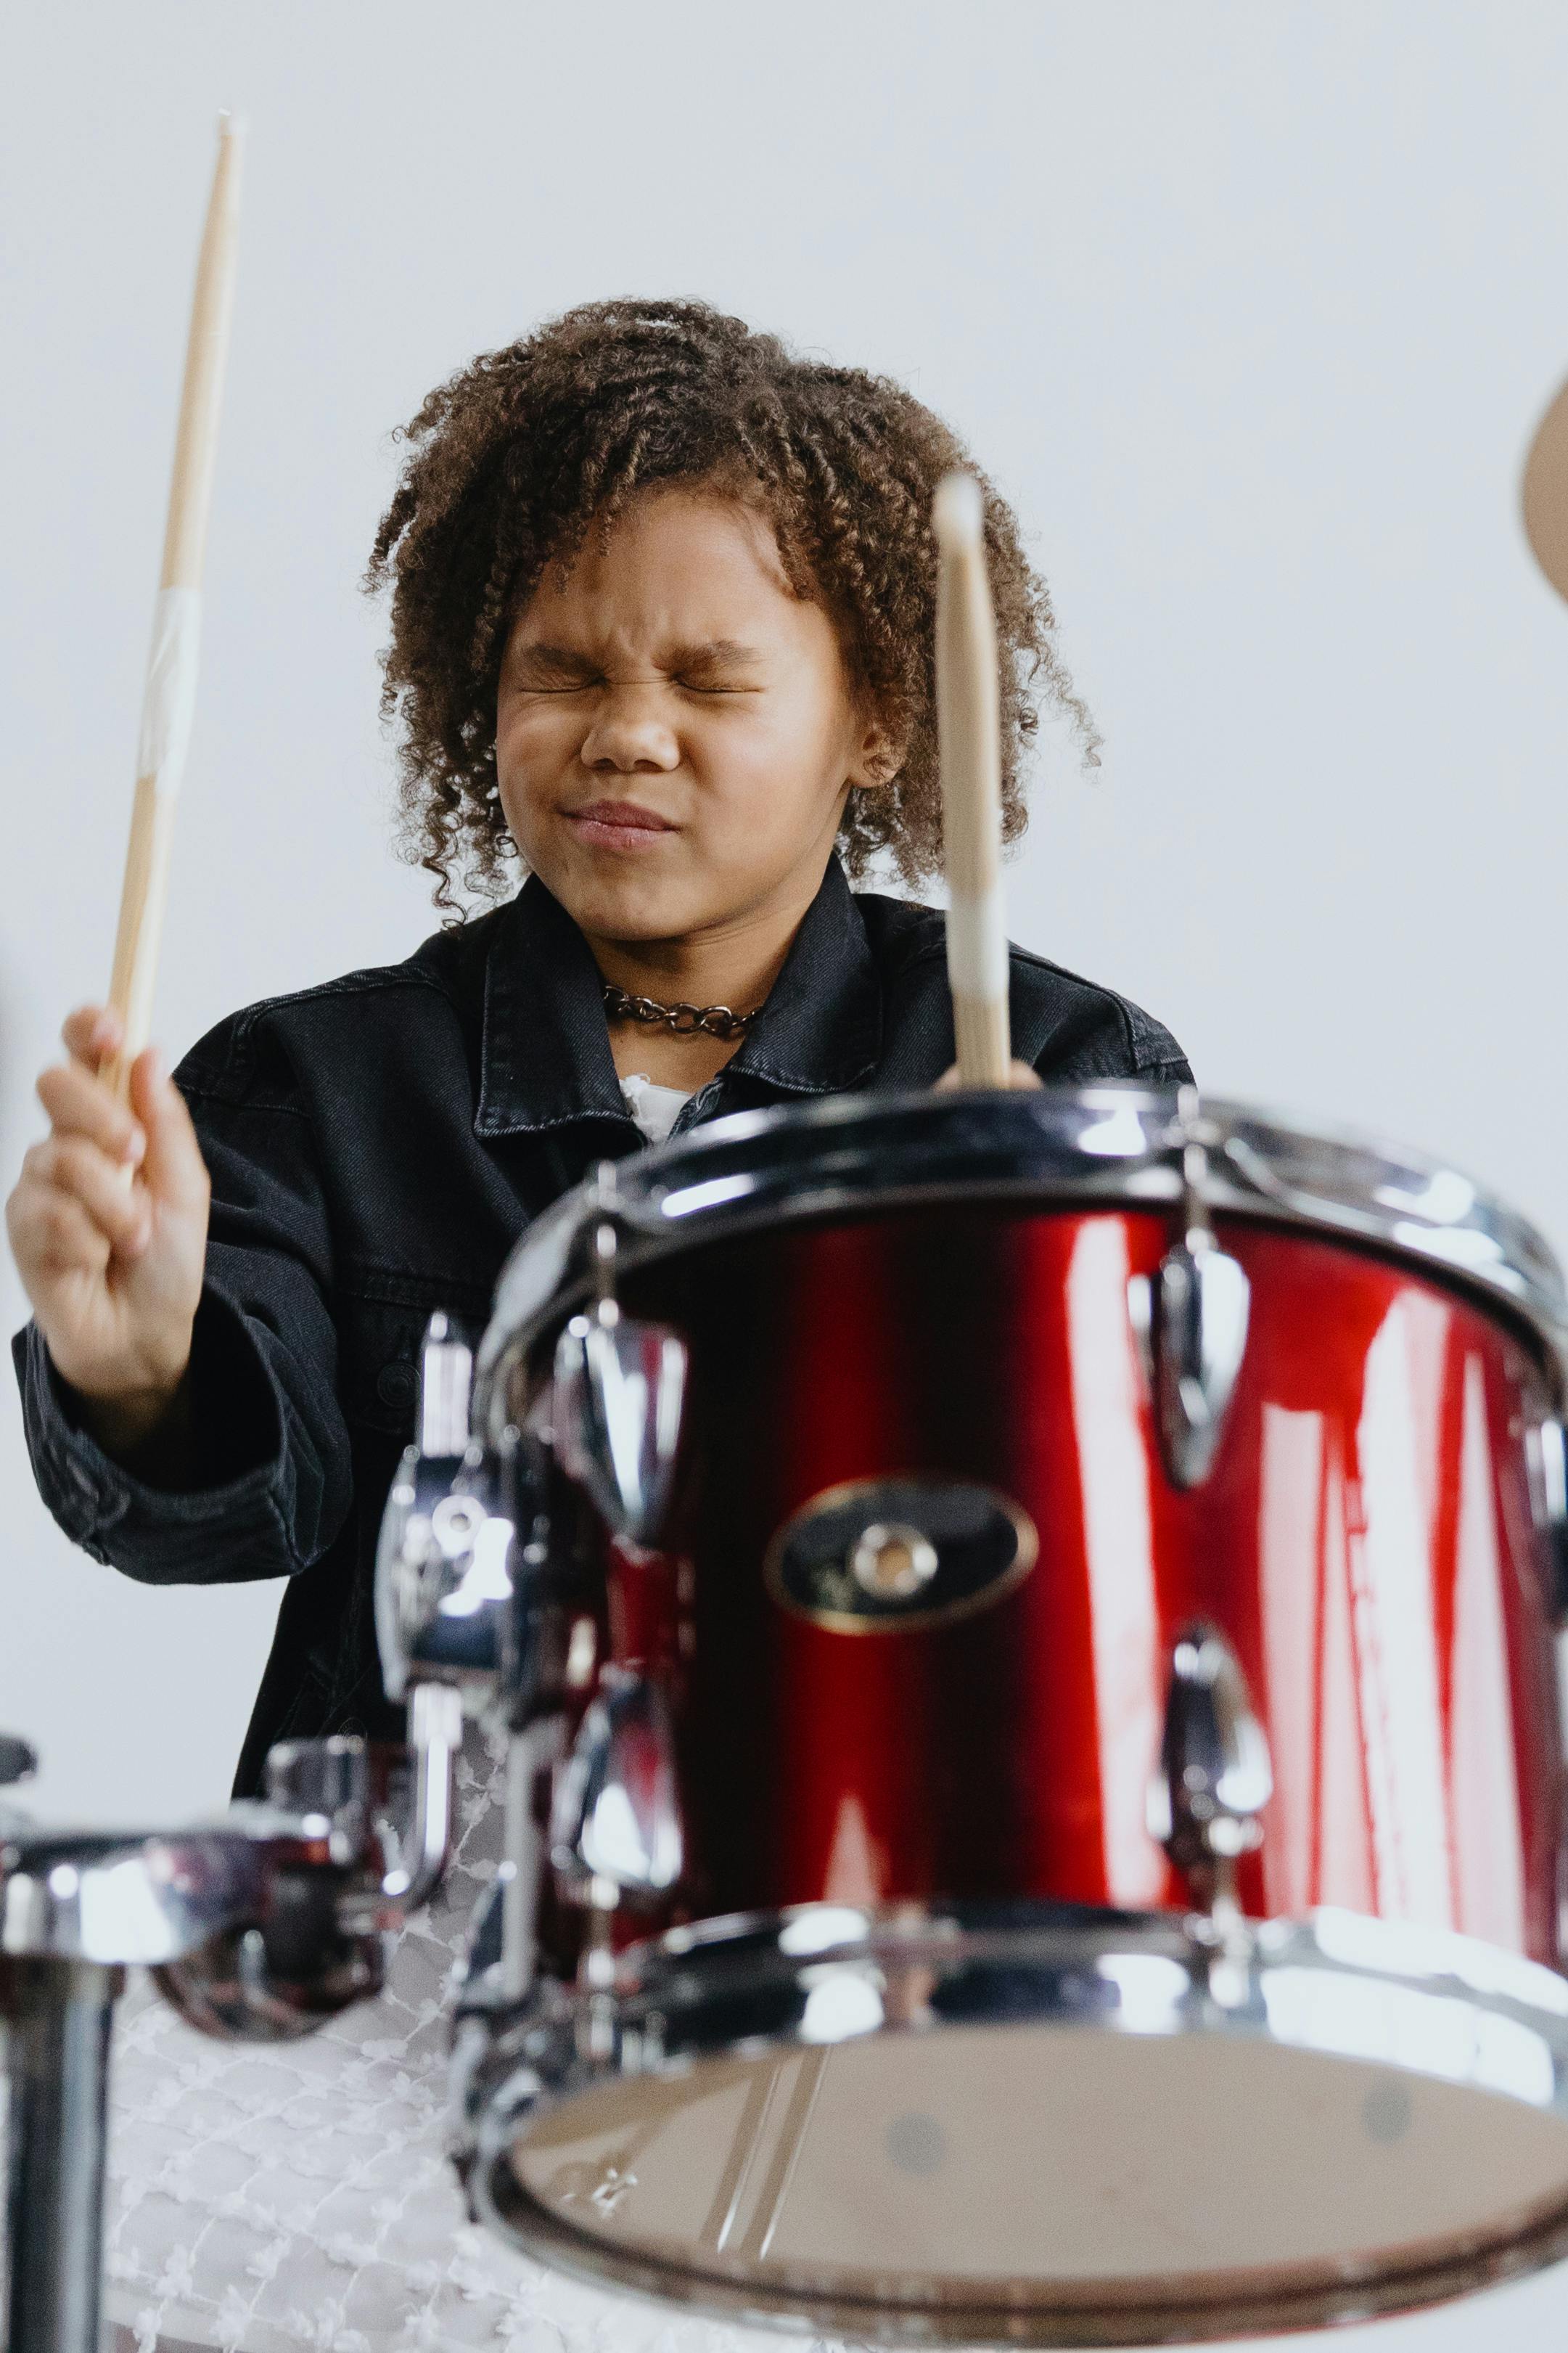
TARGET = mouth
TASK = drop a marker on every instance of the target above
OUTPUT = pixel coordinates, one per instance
(617, 825)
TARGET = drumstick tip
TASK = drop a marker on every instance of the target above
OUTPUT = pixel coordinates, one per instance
(231, 125)
(957, 511)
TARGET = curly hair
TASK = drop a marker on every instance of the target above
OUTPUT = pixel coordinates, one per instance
(521, 454)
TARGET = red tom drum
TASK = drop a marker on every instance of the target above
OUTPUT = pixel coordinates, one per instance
(1057, 1836)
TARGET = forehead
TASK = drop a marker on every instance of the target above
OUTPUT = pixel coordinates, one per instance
(685, 564)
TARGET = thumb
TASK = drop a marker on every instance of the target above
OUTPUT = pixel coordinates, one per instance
(173, 1168)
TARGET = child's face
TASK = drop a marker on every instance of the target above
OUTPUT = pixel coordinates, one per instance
(675, 733)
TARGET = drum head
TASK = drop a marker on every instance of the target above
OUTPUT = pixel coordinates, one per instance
(1059, 2136)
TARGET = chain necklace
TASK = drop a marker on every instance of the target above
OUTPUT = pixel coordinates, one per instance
(682, 1020)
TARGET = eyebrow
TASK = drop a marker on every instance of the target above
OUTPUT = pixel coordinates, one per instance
(717, 653)
(560, 657)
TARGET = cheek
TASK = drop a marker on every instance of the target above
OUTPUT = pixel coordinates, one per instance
(770, 767)
(532, 742)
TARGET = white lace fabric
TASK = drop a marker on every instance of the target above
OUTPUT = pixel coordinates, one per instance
(266, 2198)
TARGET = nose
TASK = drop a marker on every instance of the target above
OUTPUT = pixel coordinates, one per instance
(628, 735)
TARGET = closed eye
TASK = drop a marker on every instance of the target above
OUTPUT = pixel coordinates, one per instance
(553, 670)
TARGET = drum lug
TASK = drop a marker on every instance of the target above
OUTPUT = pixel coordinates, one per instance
(1215, 1776)
(614, 1822)
(1549, 1450)
(1195, 1317)
(618, 1398)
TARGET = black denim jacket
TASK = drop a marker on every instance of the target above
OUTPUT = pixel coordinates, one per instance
(376, 1145)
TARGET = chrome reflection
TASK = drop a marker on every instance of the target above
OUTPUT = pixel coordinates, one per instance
(618, 1395)
(850, 1156)
(736, 2033)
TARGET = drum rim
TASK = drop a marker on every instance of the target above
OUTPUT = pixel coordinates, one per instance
(504, 2086)
(694, 1188)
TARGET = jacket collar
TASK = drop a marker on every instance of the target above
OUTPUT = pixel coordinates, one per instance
(545, 1057)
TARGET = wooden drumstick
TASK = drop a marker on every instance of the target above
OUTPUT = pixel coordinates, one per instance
(969, 744)
(170, 696)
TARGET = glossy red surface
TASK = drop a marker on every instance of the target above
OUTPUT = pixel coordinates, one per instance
(1365, 1542)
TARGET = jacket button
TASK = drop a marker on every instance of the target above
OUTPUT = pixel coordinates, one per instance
(397, 1384)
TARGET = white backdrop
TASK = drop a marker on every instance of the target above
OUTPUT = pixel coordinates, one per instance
(1251, 309)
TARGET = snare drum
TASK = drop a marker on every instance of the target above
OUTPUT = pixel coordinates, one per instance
(1054, 1827)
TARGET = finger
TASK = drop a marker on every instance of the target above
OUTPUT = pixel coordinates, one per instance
(57, 1237)
(174, 1168)
(75, 1165)
(81, 1104)
(92, 1032)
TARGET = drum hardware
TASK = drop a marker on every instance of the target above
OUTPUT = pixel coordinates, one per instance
(614, 1825)
(256, 1926)
(468, 1615)
(444, 1588)
(535, 1751)
(852, 2100)
(309, 1943)
(763, 2018)
(898, 1555)
(1212, 1784)
(1191, 1320)
(446, 1378)
(850, 1158)
(618, 1395)
(467, 1612)
(1547, 1456)
(892, 1561)
(1549, 1461)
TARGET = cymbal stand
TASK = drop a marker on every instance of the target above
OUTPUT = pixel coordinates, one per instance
(260, 1925)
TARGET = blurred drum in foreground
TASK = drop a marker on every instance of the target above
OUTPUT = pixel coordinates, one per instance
(1029, 1632)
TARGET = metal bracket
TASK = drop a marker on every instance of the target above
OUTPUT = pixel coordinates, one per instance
(614, 1824)
(461, 1563)
(258, 1926)
(1215, 1776)
(1195, 1316)
(1547, 1450)
(620, 1396)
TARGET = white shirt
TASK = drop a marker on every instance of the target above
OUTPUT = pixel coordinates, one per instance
(654, 1109)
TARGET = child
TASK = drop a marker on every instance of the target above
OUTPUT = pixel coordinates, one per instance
(662, 624)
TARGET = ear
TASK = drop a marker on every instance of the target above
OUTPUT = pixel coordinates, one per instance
(877, 756)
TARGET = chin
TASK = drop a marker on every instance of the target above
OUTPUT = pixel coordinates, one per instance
(633, 908)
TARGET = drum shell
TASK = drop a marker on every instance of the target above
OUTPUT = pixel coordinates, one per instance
(1368, 1542)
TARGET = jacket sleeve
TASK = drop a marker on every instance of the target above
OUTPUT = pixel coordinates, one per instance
(1111, 1049)
(273, 1479)
(1074, 1035)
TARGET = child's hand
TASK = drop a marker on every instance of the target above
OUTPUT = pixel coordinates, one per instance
(1019, 1075)
(108, 1226)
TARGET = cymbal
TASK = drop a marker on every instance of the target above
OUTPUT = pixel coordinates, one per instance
(1545, 495)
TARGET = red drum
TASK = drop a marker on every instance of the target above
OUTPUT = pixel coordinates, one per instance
(1058, 1837)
